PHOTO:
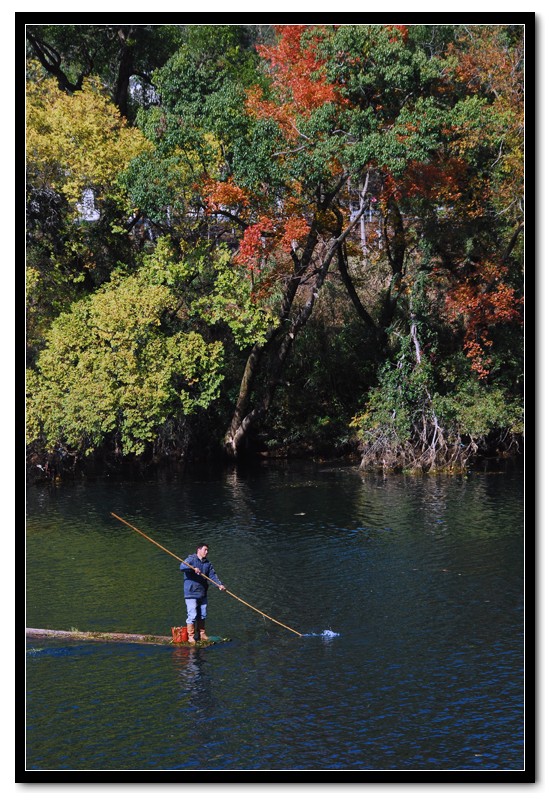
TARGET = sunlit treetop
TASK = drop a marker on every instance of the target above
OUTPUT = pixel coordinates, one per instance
(79, 141)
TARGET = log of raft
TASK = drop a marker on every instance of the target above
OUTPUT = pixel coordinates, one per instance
(98, 636)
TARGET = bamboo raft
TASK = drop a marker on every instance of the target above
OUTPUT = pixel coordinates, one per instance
(132, 638)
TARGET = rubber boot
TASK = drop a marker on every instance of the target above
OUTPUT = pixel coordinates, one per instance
(202, 629)
(191, 633)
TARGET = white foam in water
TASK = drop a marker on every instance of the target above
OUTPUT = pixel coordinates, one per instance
(326, 634)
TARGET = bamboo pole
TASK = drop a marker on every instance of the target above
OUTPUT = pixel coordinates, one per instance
(205, 576)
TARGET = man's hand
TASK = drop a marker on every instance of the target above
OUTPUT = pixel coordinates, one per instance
(221, 588)
(198, 571)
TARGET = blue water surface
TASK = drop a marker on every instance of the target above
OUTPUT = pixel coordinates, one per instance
(408, 594)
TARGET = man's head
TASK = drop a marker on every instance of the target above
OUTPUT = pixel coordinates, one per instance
(202, 551)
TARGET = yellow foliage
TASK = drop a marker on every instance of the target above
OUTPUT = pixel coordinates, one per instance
(79, 141)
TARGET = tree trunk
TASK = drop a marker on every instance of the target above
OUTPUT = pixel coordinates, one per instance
(240, 424)
(395, 251)
(370, 324)
(278, 347)
(125, 68)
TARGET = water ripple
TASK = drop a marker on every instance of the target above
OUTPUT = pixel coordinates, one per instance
(409, 594)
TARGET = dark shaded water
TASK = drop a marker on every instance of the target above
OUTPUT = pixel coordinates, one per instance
(421, 580)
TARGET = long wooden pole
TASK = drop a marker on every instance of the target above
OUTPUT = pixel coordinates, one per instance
(204, 575)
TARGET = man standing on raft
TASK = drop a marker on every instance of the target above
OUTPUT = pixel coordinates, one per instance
(195, 590)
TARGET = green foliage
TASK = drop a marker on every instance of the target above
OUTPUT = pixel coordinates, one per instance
(112, 370)
(228, 300)
(200, 124)
(475, 410)
(115, 53)
(244, 172)
(253, 162)
(413, 399)
(210, 57)
(398, 403)
(202, 86)
(155, 186)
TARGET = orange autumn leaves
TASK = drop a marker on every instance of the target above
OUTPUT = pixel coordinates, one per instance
(263, 239)
(482, 300)
(298, 77)
(227, 195)
(299, 86)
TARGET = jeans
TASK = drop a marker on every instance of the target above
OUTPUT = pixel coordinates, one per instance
(193, 607)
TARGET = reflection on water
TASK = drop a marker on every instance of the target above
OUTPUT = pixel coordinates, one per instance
(409, 593)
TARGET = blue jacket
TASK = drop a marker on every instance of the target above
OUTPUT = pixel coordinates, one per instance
(194, 586)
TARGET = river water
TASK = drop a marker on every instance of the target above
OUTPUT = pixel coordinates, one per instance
(409, 593)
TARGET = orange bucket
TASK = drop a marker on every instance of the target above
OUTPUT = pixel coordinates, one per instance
(179, 635)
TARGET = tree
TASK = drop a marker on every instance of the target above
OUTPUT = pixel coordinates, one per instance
(463, 216)
(77, 145)
(339, 116)
(332, 131)
(380, 162)
(122, 367)
(116, 53)
(488, 294)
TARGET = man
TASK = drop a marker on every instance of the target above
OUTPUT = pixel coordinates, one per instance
(195, 590)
